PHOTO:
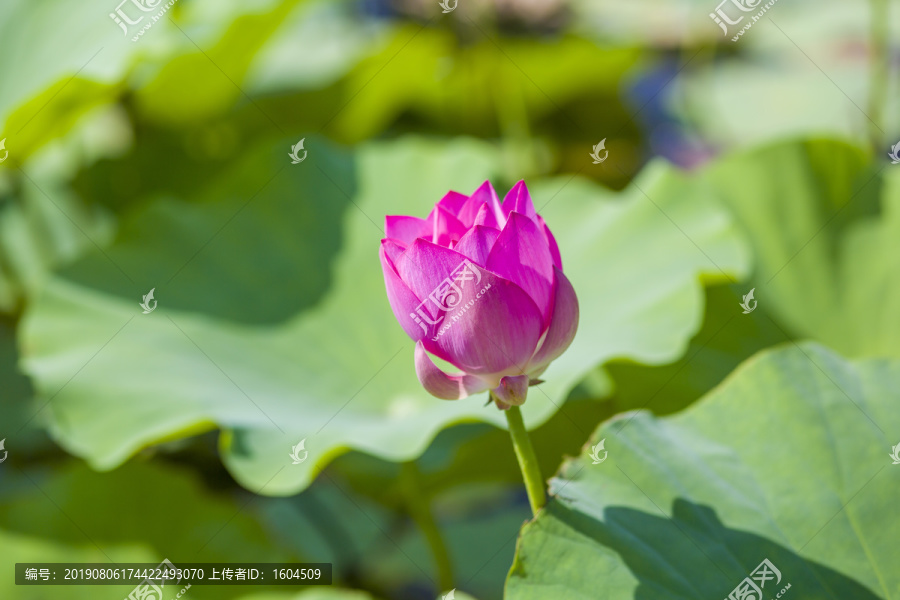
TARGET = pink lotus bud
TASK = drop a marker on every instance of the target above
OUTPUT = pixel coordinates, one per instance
(480, 285)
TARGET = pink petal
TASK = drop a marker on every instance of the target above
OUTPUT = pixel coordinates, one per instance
(393, 249)
(443, 386)
(486, 324)
(404, 228)
(402, 300)
(453, 202)
(469, 211)
(485, 216)
(477, 243)
(486, 194)
(521, 254)
(519, 200)
(511, 391)
(563, 324)
(447, 227)
(554, 248)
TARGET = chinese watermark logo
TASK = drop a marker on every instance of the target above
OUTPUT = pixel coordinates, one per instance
(295, 156)
(601, 145)
(745, 303)
(5, 151)
(123, 20)
(446, 297)
(447, 6)
(895, 453)
(894, 153)
(295, 452)
(3, 441)
(148, 298)
(723, 20)
(720, 18)
(751, 588)
(595, 452)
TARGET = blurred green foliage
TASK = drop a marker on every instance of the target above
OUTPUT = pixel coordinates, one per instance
(162, 164)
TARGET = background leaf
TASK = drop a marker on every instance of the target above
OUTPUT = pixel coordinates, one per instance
(829, 254)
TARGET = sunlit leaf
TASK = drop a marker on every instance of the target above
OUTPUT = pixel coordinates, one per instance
(786, 461)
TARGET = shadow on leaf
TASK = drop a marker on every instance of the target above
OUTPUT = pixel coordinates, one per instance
(693, 555)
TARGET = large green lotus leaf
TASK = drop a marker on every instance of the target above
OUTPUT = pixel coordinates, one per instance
(338, 375)
(824, 225)
(787, 460)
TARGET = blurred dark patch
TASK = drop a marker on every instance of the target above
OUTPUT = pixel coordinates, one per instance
(24, 438)
(199, 454)
(664, 134)
(844, 201)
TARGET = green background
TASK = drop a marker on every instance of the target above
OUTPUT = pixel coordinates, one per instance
(732, 437)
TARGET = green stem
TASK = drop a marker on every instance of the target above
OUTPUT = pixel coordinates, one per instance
(420, 510)
(528, 463)
(878, 72)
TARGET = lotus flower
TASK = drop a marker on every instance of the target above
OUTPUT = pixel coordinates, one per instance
(479, 284)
